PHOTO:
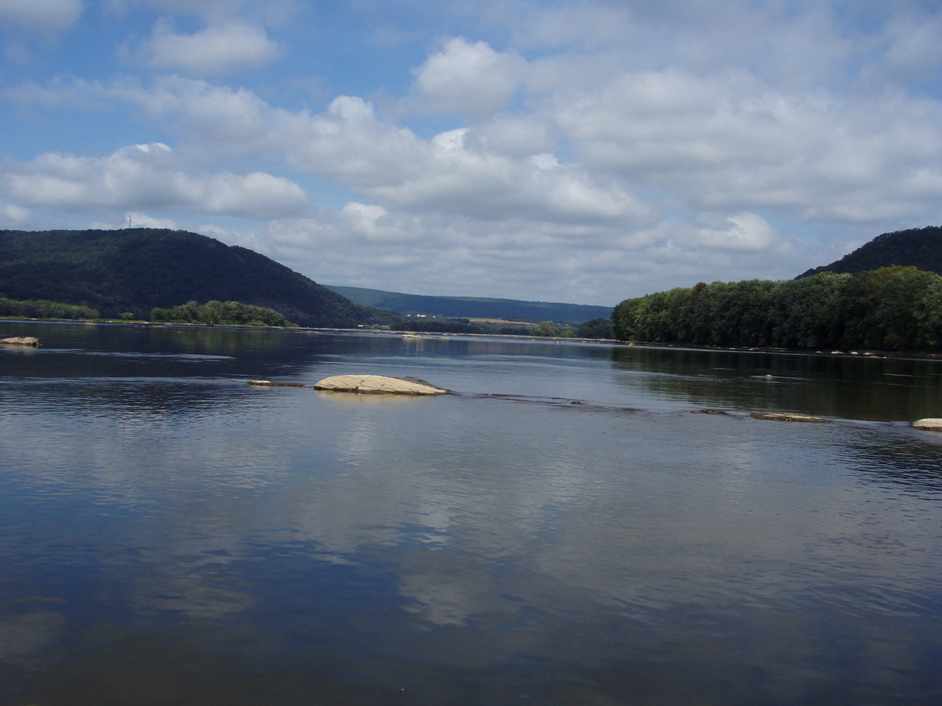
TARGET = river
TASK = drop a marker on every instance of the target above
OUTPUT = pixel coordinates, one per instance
(567, 528)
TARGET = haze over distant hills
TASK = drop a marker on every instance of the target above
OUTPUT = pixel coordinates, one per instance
(472, 307)
(918, 247)
(136, 269)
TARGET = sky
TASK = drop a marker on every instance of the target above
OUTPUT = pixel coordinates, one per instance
(582, 151)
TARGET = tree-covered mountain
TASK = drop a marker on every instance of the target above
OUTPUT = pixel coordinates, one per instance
(137, 269)
(473, 307)
(917, 247)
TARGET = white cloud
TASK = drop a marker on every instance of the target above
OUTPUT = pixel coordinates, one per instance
(795, 46)
(364, 218)
(142, 220)
(468, 77)
(137, 220)
(512, 135)
(746, 232)
(597, 148)
(11, 214)
(460, 179)
(583, 24)
(147, 176)
(40, 15)
(212, 50)
(437, 253)
(450, 172)
(731, 141)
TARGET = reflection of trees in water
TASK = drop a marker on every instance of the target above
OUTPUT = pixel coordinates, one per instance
(853, 388)
(169, 371)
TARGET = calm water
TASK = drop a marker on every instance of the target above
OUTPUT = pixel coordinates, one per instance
(170, 535)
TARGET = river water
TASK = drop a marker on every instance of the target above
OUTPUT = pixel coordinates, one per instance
(565, 529)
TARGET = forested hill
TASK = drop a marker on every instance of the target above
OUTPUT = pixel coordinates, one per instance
(918, 247)
(473, 307)
(137, 269)
(891, 308)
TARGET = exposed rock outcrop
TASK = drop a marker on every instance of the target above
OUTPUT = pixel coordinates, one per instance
(378, 384)
(788, 417)
(20, 341)
(930, 424)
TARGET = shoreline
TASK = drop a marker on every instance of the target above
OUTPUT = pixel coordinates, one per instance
(389, 333)
(435, 335)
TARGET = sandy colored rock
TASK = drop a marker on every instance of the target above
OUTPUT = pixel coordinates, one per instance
(20, 341)
(930, 424)
(788, 417)
(377, 384)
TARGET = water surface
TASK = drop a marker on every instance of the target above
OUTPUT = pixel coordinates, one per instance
(565, 529)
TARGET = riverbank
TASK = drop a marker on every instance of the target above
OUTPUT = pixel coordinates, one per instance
(417, 338)
(399, 333)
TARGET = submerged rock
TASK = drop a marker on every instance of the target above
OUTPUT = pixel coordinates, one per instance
(788, 417)
(930, 424)
(269, 383)
(20, 341)
(378, 384)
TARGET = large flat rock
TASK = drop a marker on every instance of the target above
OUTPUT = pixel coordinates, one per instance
(378, 385)
(930, 424)
(20, 341)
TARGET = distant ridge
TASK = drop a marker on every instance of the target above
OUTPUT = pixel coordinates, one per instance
(918, 247)
(473, 307)
(137, 269)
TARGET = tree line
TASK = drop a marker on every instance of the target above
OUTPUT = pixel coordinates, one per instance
(891, 308)
(596, 328)
(43, 309)
(219, 313)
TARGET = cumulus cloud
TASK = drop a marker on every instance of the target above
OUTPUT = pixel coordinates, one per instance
(562, 261)
(468, 77)
(40, 15)
(213, 50)
(596, 148)
(584, 24)
(512, 135)
(138, 220)
(732, 141)
(147, 176)
(747, 232)
(448, 172)
(461, 179)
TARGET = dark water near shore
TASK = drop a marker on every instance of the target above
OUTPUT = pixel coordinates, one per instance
(170, 535)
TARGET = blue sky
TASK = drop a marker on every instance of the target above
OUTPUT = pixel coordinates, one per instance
(575, 151)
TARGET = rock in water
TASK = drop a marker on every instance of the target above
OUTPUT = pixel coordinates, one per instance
(20, 341)
(378, 384)
(269, 383)
(931, 424)
(788, 417)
